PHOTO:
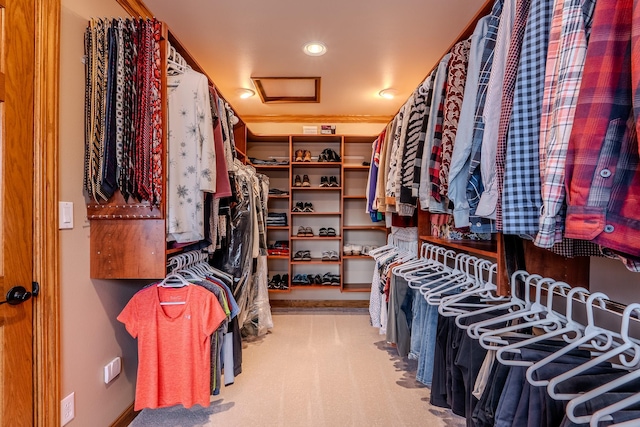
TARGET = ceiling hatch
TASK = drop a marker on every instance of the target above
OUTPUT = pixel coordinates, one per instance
(287, 89)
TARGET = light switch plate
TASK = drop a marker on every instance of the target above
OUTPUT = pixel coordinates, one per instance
(65, 215)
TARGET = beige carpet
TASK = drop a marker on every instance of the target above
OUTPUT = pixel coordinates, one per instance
(322, 368)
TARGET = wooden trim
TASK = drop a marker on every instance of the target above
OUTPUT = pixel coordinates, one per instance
(126, 417)
(295, 118)
(295, 303)
(46, 306)
(136, 8)
(267, 99)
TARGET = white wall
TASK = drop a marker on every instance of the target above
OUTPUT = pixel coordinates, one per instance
(90, 334)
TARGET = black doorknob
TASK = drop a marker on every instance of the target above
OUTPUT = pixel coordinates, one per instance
(17, 295)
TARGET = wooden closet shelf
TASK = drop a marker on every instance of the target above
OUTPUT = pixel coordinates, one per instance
(271, 167)
(316, 188)
(356, 287)
(364, 227)
(488, 248)
(317, 164)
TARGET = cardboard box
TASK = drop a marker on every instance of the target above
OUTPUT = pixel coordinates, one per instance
(328, 129)
(310, 130)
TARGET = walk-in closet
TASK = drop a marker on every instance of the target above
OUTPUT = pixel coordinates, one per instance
(345, 213)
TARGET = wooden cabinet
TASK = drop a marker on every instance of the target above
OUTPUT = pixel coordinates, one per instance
(128, 238)
(339, 208)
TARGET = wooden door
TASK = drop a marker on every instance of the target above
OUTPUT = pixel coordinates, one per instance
(17, 65)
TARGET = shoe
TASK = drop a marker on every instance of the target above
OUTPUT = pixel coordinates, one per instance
(298, 156)
(333, 182)
(284, 283)
(317, 279)
(326, 279)
(335, 280)
(302, 231)
(307, 156)
(275, 282)
(299, 207)
(306, 255)
(305, 181)
(324, 181)
(322, 232)
(331, 232)
(308, 207)
(326, 255)
(347, 249)
(308, 232)
(300, 279)
(356, 249)
(322, 157)
(298, 256)
(333, 255)
(297, 182)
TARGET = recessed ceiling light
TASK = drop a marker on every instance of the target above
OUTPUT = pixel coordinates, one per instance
(388, 93)
(315, 49)
(245, 93)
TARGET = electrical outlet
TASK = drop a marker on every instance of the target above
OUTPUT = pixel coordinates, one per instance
(67, 409)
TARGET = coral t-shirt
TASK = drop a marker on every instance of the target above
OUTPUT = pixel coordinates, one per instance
(173, 344)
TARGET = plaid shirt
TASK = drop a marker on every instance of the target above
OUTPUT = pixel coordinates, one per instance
(508, 91)
(603, 173)
(521, 190)
(474, 186)
(565, 62)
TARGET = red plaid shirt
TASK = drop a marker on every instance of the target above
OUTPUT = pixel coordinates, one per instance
(603, 178)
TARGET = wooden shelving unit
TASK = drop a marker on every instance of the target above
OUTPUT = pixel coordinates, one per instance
(331, 206)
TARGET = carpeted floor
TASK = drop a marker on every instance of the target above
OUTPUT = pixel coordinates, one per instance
(316, 368)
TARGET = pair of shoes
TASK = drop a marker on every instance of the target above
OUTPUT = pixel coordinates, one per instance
(351, 249)
(302, 156)
(302, 256)
(279, 282)
(328, 155)
(327, 232)
(330, 256)
(331, 181)
(300, 279)
(303, 207)
(331, 279)
(305, 232)
(304, 182)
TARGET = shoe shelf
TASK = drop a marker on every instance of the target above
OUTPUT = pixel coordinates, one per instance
(262, 168)
(339, 207)
(316, 188)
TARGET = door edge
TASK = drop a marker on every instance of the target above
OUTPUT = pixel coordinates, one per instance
(46, 314)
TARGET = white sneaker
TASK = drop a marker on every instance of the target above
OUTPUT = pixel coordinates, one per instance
(347, 249)
(356, 249)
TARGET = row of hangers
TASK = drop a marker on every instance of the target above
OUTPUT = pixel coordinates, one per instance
(445, 278)
(176, 64)
(192, 265)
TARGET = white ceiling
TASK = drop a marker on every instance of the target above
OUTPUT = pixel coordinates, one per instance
(372, 45)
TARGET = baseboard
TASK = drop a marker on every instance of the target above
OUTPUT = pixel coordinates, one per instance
(286, 303)
(126, 417)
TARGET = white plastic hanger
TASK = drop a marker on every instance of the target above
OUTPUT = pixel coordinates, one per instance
(592, 334)
(510, 303)
(520, 310)
(617, 350)
(570, 327)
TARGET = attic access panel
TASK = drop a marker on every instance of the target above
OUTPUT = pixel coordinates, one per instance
(288, 89)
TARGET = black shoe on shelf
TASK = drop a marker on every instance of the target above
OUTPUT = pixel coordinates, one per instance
(333, 182)
(299, 207)
(305, 181)
(324, 181)
(308, 207)
(297, 182)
